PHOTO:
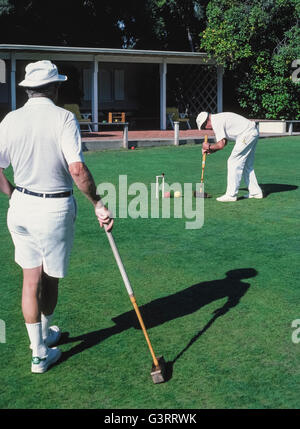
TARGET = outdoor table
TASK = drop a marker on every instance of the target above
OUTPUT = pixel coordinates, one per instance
(124, 124)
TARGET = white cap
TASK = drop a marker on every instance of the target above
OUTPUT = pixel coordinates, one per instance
(201, 118)
(41, 73)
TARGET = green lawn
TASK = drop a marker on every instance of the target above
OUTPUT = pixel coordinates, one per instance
(218, 301)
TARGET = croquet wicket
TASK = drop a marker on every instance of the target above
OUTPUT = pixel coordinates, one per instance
(162, 177)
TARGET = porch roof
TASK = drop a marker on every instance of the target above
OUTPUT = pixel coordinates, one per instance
(68, 53)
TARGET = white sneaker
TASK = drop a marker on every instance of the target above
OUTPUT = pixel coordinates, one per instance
(54, 334)
(40, 365)
(226, 198)
(257, 196)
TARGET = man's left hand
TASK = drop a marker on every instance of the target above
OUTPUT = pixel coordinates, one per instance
(105, 217)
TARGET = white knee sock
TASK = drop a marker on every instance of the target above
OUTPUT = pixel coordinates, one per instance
(39, 349)
(46, 320)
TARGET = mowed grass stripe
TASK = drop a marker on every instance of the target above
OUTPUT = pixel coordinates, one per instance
(226, 339)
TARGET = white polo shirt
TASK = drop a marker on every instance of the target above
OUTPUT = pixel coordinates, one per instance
(228, 125)
(40, 140)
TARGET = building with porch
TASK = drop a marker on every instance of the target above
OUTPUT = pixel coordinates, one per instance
(141, 83)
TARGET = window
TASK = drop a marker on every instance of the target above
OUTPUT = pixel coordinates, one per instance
(111, 85)
(105, 85)
(2, 72)
(87, 84)
(119, 85)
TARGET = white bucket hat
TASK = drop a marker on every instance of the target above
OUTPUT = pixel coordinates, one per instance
(41, 73)
(201, 118)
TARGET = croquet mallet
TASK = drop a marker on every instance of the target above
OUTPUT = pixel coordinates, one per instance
(202, 174)
(202, 194)
(158, 366)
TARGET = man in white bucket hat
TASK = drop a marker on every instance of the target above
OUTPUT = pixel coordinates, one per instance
(42, 143)
(230, 126)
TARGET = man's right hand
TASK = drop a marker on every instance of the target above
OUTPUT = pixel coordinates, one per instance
(5, 186)
(205, 148)
(105, 217)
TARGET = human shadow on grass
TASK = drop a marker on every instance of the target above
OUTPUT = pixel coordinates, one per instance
(273, 188)
(171, 307)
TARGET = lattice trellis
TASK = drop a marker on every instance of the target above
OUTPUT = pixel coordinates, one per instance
(197, 88)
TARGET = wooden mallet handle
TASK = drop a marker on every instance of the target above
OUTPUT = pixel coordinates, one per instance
(203, 159)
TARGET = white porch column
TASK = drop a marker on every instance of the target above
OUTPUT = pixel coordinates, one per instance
(95, 94)
(176, 133)
(13, 103)
(163, 95)
(219, 89)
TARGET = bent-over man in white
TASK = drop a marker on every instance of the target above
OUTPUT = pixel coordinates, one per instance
(230, 126)
(42, 143)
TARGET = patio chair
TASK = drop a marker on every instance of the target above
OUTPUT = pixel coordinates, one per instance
(116, 117)
(74, 108)
(173, 115)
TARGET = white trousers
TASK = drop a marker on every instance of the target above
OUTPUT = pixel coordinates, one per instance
(240, 164)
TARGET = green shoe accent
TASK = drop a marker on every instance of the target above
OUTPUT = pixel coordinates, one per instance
(36, 360)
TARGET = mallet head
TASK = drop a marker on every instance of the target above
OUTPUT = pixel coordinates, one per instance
(158, 373)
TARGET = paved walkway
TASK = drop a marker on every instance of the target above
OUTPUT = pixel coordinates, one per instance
(145, 135)
(103, 139)
(157, 135)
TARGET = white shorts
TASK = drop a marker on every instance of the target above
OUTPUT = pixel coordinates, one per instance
(42, 230)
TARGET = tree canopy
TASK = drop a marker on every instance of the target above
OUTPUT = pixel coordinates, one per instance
(59, 22)
(257, 41)
(144, 24)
